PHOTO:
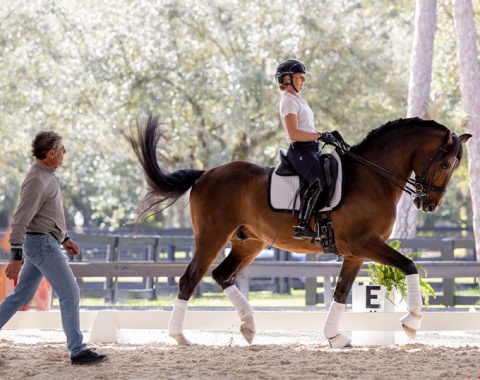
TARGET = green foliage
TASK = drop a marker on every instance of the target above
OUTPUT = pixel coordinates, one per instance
(393, 279)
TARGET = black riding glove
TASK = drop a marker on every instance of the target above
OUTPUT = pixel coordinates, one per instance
(327, 138)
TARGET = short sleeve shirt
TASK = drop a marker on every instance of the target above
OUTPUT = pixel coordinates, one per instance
(290, 104)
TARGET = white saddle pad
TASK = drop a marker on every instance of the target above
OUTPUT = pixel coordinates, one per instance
(283, 191)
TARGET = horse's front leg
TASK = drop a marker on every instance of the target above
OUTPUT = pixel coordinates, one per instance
(411, 321)
(349, 271)
(382, 253)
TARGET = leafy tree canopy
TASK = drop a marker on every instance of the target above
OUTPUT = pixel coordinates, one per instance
(90, 69)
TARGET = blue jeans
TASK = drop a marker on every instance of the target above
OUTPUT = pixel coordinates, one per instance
(43, 257)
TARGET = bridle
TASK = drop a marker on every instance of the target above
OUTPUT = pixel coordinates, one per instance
(420, 186)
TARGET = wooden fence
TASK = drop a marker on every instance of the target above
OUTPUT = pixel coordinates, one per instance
(152, 257)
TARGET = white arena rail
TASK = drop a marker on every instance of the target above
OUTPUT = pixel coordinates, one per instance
(104, 325)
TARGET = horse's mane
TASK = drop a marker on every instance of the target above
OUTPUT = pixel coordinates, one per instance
(393, 125)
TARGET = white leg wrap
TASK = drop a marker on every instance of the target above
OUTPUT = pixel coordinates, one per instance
(411, 321)
(244, 310)
(414, 295)
(242, 306)
(175, 324)
(330, 329)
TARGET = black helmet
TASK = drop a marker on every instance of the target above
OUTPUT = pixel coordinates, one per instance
(289, 67)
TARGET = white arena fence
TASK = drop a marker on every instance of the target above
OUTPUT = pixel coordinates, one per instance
(104, 325)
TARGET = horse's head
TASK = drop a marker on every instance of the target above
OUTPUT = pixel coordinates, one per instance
(435, 168)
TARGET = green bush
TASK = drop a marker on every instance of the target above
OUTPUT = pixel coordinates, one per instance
(392, 278)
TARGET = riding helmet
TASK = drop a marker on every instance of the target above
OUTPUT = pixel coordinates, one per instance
(289, 67)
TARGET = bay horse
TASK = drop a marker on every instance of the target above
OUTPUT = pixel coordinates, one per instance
(228, 204)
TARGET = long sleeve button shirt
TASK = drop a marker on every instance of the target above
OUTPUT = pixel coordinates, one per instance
(41, 206)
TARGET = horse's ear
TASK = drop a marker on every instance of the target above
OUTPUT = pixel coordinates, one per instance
(464, 138)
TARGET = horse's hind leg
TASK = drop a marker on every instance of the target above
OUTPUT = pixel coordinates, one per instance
(206, 250)
(349, 271)
(240, 256)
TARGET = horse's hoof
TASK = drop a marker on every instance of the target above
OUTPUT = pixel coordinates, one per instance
(411, 324)
(411, 333)
(247, 328)
(181, 340)
(340, 341)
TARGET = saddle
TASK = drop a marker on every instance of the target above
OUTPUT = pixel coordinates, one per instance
(285, 192)
(328, 180)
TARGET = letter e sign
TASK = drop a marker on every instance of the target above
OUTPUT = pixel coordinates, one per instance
(372, 295)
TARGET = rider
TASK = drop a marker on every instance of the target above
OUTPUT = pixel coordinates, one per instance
(304, 150)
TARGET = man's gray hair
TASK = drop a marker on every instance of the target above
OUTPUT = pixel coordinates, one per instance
(44, 142)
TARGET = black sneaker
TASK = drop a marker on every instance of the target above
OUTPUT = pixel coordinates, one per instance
(88, 357)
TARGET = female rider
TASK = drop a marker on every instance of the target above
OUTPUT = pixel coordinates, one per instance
(298, 121)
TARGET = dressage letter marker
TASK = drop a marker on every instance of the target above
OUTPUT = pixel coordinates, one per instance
(372, 296)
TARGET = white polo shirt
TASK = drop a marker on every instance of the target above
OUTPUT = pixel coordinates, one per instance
(291, 104)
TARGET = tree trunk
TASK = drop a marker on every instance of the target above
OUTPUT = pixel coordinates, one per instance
(469, 67)
(418, 97)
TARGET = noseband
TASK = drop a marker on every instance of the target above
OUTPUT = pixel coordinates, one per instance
(421, 187)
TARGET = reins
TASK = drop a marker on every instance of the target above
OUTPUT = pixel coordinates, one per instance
(418, 184)
(418, 187)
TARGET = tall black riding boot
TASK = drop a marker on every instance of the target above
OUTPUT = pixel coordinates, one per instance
(303, 230)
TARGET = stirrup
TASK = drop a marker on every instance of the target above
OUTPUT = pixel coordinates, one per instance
(304, 232)
(298, 234)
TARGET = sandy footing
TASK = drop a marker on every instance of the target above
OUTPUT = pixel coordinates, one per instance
(144, 354)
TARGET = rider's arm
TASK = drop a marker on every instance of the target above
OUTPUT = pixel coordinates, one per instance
(295, 134)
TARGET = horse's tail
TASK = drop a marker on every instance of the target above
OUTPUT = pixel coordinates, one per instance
(163, 188)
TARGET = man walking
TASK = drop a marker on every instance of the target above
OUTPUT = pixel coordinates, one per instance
(38, 230)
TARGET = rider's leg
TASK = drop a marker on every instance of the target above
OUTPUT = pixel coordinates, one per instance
(303, 229)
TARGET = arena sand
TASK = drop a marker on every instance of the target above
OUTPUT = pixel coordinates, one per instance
(148, 354)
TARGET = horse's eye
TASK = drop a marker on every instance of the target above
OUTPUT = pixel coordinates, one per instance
(444, 166)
